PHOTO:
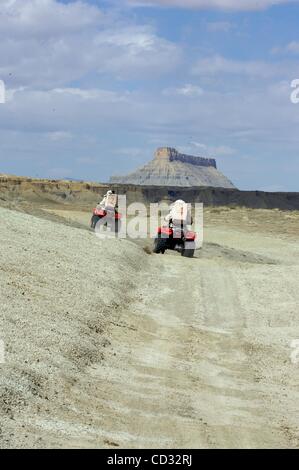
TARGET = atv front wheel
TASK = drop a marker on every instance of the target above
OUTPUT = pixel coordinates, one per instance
(94, 221)
(160, 245)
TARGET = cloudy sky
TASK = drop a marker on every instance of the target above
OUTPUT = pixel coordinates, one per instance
(93, 87)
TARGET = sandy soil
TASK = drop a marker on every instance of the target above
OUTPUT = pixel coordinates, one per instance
(110, 347)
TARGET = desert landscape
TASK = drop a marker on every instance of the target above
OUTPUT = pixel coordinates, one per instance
(149, 227)
(110, 346)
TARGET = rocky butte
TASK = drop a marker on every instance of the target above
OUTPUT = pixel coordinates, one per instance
(171, 168)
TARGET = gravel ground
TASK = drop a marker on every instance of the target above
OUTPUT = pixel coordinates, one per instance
(107, 347)
(60, 289)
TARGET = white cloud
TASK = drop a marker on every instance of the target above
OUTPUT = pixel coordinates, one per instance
(136, 49)
(199, 145)
(246, 115)
(103, 96)
(45, 43)
(223, 150)
(210, 150)
(45, 18)
(293, 47)
(220, 65)
(243, 5)
(188, 90)
(58, 136)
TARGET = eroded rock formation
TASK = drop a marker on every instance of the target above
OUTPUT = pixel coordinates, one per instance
(171, 168)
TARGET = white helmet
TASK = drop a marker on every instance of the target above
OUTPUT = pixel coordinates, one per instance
(180, 201)
(109, 192)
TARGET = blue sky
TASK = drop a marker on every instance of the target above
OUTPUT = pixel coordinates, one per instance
(93, 87)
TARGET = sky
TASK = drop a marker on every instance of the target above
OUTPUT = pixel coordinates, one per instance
(94, 87)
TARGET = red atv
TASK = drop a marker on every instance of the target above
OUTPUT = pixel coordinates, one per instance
(175, 238)
(106, 218)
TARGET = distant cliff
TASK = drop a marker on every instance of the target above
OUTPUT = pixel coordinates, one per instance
(15, 190)
(171, 168)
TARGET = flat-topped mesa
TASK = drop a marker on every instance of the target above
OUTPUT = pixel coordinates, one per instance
(173, 169)
(171, 154)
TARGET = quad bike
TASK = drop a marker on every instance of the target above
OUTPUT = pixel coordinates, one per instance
(175, 238)
(110, 218)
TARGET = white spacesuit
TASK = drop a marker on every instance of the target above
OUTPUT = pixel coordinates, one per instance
(179, 214)
(103, 203)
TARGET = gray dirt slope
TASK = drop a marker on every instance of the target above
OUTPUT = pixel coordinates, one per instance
(107, 347)
(60, 288)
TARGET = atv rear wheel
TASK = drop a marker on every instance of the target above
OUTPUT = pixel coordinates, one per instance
(117, 226)
(160, 245)
(188, 250)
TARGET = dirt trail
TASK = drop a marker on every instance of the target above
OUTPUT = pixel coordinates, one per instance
(191, 375)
